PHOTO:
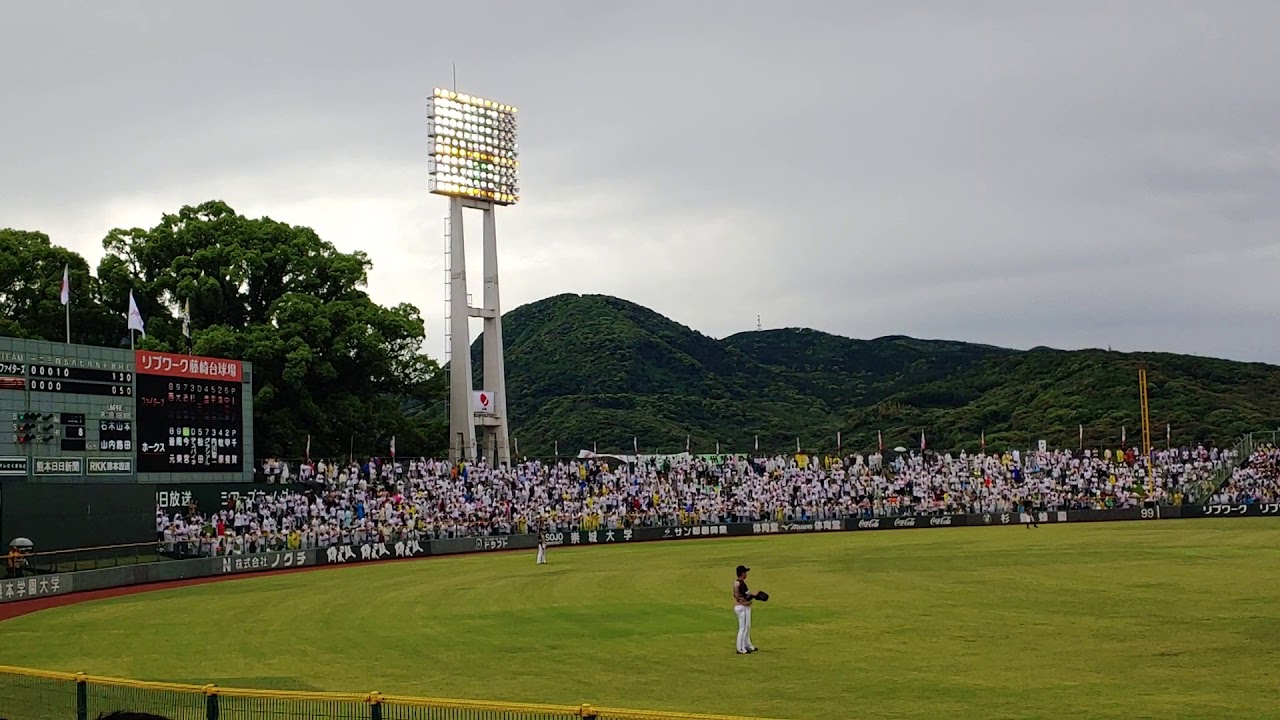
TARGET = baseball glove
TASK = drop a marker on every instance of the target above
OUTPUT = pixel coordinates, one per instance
(762, 596)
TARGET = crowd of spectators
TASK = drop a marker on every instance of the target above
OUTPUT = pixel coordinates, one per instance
(353, 503)
(1255, 482)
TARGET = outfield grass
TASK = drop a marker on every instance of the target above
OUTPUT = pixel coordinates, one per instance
(1111, 620)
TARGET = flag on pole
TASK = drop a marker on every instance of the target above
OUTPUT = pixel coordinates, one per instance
(186, 319)
(984, 442)
(66, 298)
(1168, 435)
(635, 444)
(135, 317)
(757, 443)
(717, 447)
(1123, 440)
(593, 449)
(393, 447)
(797, 446)
(308, 448)
(922, 445)
(516, 441)
(1082, 436)
(557, 448)
(837, 441)
(688, 443)
(880, 441)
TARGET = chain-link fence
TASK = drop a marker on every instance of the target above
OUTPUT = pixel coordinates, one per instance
(43, 695)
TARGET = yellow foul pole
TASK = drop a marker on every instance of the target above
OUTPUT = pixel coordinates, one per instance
(1146, 418)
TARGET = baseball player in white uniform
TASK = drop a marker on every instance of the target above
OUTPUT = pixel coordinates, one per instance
(542, 550)
(742, 598)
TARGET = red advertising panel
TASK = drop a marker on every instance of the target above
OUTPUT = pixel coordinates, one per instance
(188, 366)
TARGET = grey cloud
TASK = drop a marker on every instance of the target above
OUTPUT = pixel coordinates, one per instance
(1016, 173)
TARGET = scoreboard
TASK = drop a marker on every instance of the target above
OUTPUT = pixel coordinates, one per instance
(75, 412)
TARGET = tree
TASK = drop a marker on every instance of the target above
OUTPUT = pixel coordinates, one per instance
(30, 290)
(327, 361)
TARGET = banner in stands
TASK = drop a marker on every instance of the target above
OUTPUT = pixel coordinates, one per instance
(210, 497)
(1220, 510)
(29, 588)
(1122, 514)
(992, 519)
(770, 528)
(589, 537)
(696, 531)
(908, 522)
(483, 544)
(347, 554)
(259, 561)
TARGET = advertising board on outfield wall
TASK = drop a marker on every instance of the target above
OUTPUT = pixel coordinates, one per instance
(31, 588)
(261, 561)
(42, 585)
(348, 554)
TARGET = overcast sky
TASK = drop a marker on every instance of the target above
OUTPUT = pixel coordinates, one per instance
(1072, 174)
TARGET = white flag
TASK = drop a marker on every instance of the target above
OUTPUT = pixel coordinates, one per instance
(186, 319)
(135, 317)
(757, 443)
(797, 446)
(717, 447)
(393, 447)
(308, 448)
(66, 285)
(635, 445)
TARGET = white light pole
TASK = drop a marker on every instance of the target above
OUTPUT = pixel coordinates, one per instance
(473, 160)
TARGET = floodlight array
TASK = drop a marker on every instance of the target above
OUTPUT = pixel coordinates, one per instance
(473, 151)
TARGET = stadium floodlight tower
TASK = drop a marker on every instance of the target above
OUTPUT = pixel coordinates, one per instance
(474, 162)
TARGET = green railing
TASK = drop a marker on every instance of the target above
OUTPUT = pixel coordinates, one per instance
(1244, 447)
(27, 694)
(96, 558)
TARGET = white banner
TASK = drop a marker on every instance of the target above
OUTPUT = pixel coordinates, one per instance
(482, 401)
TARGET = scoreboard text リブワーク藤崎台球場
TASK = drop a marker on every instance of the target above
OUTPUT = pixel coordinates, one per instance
(76, 410)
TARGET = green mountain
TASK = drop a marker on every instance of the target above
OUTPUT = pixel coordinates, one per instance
(597, 370)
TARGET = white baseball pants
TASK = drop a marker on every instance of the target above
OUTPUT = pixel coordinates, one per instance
(744, 627)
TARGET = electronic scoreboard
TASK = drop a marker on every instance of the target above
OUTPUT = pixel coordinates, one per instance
(71, 412)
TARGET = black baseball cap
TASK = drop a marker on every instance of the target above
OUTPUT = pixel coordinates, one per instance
(742, 569)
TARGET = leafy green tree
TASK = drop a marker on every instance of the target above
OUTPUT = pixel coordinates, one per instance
(30, 293)
(328, 361)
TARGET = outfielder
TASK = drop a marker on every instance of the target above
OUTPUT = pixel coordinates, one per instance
(742, 599)
(542, 549)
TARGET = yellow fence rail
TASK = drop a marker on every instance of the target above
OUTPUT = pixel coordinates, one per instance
(27, 694)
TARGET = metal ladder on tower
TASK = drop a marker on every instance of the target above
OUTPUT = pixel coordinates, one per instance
(448, 275)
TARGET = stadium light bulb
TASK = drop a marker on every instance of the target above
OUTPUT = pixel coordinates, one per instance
(472, 145)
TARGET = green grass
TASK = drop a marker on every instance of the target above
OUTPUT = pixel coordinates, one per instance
(1113, 620)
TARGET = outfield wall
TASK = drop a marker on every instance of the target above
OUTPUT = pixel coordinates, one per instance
(71, 582)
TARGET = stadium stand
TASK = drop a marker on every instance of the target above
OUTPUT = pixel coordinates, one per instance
(1255, 482)
(379, 501)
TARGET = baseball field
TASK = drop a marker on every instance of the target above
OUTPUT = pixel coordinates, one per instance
(1111, 620)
